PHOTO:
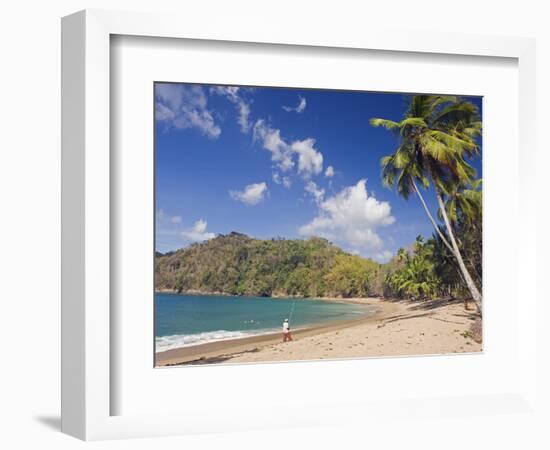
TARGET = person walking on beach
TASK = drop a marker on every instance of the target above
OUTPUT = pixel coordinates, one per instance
(286, 331)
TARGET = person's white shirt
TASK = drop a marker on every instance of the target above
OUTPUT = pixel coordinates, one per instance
(285, 327)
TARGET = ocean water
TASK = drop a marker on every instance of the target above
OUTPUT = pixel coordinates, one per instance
(184, 320)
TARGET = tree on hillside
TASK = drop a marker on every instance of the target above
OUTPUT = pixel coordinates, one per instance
(436, 136)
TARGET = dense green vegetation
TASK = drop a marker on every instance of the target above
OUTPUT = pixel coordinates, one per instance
(239, 265)
(429, 269)
(426, 271)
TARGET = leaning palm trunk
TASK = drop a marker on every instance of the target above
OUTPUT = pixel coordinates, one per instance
(431, 217)
(453, 247)
(476, 295)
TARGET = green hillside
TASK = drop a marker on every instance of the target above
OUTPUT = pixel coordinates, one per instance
(236, 264)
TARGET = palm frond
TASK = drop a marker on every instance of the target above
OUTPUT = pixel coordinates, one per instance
(454, 141)
(385, 123)
(413, 122)
(455, 112)
(440, 100)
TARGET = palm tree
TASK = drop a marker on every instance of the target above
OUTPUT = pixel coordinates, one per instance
(417, 277)
(402, 255)
(464, 203)
(436, 136)
(464, 209)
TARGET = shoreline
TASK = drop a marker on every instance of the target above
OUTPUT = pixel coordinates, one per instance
(353, 300)
(397, 328)
(220, 351)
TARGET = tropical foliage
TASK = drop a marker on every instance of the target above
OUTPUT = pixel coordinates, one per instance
(437, 137)
(426, 271)
(417, 277)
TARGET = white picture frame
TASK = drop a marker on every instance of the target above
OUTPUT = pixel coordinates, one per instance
(87, 325)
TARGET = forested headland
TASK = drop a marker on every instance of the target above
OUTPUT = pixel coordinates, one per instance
(236, 264)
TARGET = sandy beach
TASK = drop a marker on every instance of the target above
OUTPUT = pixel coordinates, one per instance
(397, 328)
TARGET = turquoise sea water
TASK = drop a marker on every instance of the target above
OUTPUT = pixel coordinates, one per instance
(183, 320)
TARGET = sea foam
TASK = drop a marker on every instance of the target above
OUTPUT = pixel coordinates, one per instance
(164, 343)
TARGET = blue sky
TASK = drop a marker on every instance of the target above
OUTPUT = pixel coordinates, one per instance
(272, 162)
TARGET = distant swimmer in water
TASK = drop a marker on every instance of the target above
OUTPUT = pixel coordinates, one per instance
(286, 331)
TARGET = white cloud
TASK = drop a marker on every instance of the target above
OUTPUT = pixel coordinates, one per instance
(198, 233)
(163, 112)
(351, 218)
(230, 91)
(244, 113)
(271, 140)
(175, 219)
(329, 173)
(252, 194)
(300, 108)
(243, 108)
(182, 106)
(315, 191)
(285, 181)
(310, 160)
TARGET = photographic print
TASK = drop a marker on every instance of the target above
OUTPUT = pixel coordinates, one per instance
(313, 224)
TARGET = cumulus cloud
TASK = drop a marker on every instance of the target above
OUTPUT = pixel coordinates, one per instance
(300, 108)
(198, 232)
(351, 218)
(252, 194)
(185, 106)
(271, 140)
(329, 173)
(243, 108)
(284, 180)
(310, 160)
(175, 219)
(316, 192)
